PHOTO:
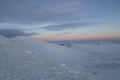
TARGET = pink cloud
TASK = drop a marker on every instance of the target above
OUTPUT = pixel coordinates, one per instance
(57, 7)
(67, 6)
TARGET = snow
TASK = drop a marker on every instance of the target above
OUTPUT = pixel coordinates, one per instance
(24, 58)
(102, 58)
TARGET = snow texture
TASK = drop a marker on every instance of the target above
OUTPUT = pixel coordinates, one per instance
(24, 58)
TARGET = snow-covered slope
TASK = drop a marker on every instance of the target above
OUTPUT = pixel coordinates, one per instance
(103, 58)
(29, 59)
(24, 58)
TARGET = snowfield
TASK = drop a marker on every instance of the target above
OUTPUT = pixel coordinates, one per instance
(24, 58)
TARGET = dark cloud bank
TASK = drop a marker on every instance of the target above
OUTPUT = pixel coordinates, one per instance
(10, 33)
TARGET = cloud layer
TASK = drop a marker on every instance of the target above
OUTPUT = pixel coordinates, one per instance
(9, 33)
(66, 26)
(51, 17)
(35, 11)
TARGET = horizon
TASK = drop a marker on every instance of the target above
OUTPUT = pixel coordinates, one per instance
(61, 20)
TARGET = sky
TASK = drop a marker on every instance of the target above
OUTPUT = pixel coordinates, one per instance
(61, 20)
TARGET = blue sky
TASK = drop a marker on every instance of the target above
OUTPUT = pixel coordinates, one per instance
(55, 20)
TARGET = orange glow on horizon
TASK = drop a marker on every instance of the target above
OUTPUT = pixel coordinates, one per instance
(75, 37)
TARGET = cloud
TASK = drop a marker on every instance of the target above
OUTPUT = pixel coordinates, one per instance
(65, 33)
(66, 26)
(36, 11)
(9, 33)
(68, 6)
(56, 7)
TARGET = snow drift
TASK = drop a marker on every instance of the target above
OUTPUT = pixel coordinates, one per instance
(24, 58)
